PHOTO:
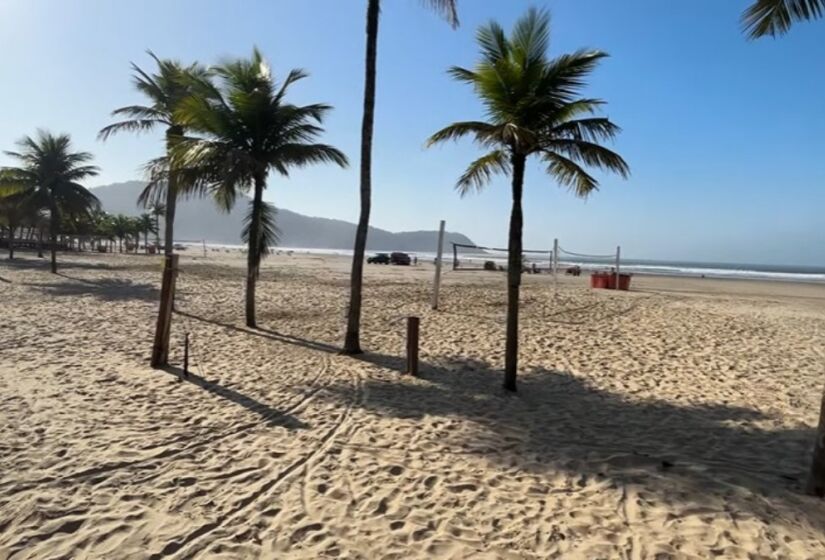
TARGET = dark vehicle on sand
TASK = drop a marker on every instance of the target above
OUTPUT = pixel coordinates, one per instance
(402, 259)
(379, 258)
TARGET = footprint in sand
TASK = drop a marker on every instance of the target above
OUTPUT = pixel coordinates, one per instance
(301, 533)
(466, 487)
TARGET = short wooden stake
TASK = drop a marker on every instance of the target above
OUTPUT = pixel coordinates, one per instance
(412, 345)
(160, 350)
(186, 355)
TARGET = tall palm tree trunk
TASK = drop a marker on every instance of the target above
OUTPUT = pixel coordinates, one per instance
(39, 243)
(253, 256)
(172, 134)
(352, 340)
(514, 275)
(53, 222)
(11, 241)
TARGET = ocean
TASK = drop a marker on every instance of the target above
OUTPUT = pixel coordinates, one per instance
(786, 273)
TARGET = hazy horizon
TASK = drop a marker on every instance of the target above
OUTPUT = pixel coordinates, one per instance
(722, 134)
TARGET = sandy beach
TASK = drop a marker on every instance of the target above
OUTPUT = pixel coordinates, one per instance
(672, 421)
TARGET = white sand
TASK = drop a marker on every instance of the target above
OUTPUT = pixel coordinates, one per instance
(670, 422)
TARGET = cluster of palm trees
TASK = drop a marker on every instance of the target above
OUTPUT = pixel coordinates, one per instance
(44, 199)
(229, 127)
(23, 224)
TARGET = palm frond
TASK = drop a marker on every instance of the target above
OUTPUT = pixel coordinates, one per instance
(301, 155)
(294, 75)
(590, 154)
(564, 76)
(481, 131)
(775, 17)
(268, 232)
(570, 174)
(446, 8)
(481, 171)
(596, 129)
(493, 42)
(462, 74)
(531, 36)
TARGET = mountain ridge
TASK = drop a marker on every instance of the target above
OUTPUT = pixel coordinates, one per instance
(198, 218)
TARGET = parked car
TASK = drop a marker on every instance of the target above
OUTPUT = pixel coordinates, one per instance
(402, 259)
(379, 258)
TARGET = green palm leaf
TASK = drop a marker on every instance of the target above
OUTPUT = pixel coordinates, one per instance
(775, 17)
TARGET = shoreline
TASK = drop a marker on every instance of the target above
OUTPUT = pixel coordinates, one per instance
(681, 269)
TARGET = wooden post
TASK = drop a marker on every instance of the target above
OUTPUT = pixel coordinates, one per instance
(412, 345)
(186, 355)
(160, 350)
(204, 248)
(555, 263)
(618, 259)
(816, 477)
(440, 255)
(455, 257)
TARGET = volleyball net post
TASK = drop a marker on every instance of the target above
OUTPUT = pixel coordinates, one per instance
(439, 258)
(555, 264)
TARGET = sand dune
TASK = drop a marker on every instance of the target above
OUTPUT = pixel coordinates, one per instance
(670, 422)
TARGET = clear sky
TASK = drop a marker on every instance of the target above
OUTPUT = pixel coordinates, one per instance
(725, 137)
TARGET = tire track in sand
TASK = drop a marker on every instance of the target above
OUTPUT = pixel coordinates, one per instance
(192, 543)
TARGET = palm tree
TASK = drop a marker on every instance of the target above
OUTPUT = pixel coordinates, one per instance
(157, 209)
(146, 225)
(248, 129)
(352, 339)
(13, 214)
(775, 17)
(105, 228)
(122, 227)
(164, 90)
(49, 178)
(533, 109)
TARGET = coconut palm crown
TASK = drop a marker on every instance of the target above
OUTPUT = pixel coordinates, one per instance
(244, 128)
(535, 109)
(48, 177)
(164, 91)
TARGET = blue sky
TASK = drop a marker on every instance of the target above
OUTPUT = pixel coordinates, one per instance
(724, 136)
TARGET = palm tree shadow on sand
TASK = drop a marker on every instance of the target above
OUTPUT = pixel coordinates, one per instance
(558, 422)
(105, 289)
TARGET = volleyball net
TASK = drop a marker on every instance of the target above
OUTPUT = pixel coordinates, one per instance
(566, 261)
(477, 257)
